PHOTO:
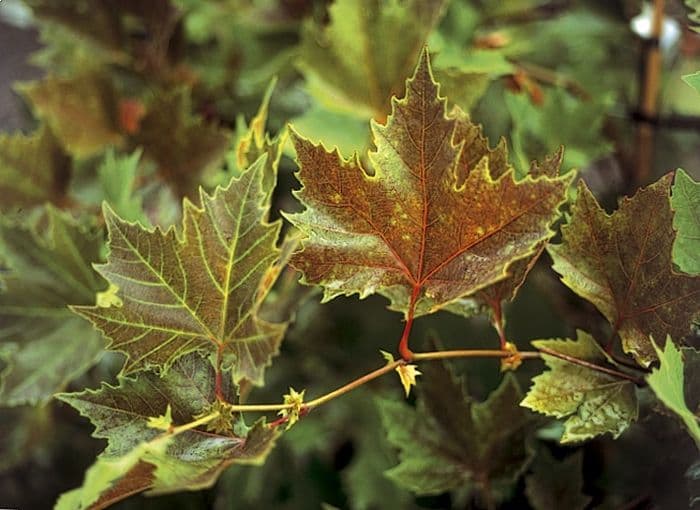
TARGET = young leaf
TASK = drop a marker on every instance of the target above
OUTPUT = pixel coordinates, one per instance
(197, 291)
(81, 111)
(622, 264)
(33, 169)
(556, 484)
(49, 270)
(594, 403)
(254, 141)
(449, 441)
(192, 459)
(198, 147)
(685, 201)
(431, 223)
(667, 382)
(347, 64)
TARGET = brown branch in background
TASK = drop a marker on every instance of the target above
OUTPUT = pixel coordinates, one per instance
(648, 94)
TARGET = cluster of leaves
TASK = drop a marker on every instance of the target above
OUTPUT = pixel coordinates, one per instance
(185, 272)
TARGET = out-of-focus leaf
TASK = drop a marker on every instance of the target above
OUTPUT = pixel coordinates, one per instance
(556, 484)
(622, 264)
(117, 178)
(347, 64)
(182, 145)
(46, 345)
(81, 110)
(451, 442)
(541, 130)
(593, 402)
(33, 169)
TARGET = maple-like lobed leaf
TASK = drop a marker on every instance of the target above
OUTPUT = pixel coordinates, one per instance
(685, 201)
(198, 290)
(450, 442)
(192, 459)
(34, 169)
(81, 110)
(594, 403)
(49, 268)
(556, 484)
(191, 148)
(622, 263)
(428, 224)
(360, 77)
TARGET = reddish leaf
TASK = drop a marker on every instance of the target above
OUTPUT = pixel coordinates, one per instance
(422, 227)
(622, 263)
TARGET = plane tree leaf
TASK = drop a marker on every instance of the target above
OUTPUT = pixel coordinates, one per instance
(428, 223)
(556, 483)
(191, 148)
(34, 169)
(196, 290)
(685, 201)
(49, 268)
(116, 176)
(449, 441)
(667, 382)
(81, 110)
(347, 65)
(139, 457)
(592, 402)
(621, 262)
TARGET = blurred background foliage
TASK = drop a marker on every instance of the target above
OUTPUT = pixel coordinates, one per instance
(139, 103)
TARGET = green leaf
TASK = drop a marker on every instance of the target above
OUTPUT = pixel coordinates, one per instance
(198, 290)
(685, 202)
(621, 262)
(540, 130)
(451, 442)
(33, 169)
(667, 381)
(556, 483)
(189, 460)
(694, 14)
(347, 64)
(82, 111)
(594, 403)
(49, 269)
(117, 176)
(191, 147)
(693, 79)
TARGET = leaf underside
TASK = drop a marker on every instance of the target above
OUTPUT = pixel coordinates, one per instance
(49, 268)
(592, 402)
